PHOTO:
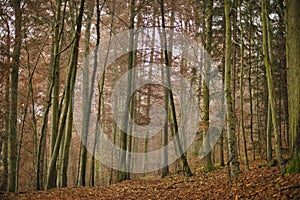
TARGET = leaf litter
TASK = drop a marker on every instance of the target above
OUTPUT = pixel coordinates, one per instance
(258, 183)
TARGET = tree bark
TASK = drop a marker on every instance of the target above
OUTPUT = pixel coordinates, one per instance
(13, 114)
(271, 90)
(242, 121)
(72, 69)
(208, 164)
(293, 68)
(86, 106)
(250, 87)
(58, 29)
(269, 136)
(95, 64)
(233, 156)
(4, 147)
(186, 167)
(123, 174)
(4, 150)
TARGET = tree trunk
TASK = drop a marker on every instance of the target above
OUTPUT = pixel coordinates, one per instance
(41, 162)
(95, 64)
(251, 114)
(13, 114)
(4, 147)
(132, 107)
(123, 175)
(222, 135)
(186, 167)
(72, 69)
(86, 106)
(293, 67)
(165, 169)
(233, 157)
(66, 147)
(4, 180)
(242, 121)
(208, 164)
(233, 14)
(165, 158)
(148, 107)
(56, 81)
(269, 136)
(271, 90)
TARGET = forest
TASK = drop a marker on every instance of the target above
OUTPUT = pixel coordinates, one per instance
(149, 99)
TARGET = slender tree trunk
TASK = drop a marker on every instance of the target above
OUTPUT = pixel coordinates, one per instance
(251, 114)
(29, 97)
(102, 80)
(222, 160)
(242, 121)
(56, 75)
(186, 167)
(41, 162)
(208, 164)
(132, 107)
(58, 29)
(222, 136)
(233, 156)
(283, 73)
(165, 158)
(234, 32)
(72, 69)
(149, 104)
(165, 169)
(4, 181)
(269, 136)
(42, 141)
(115, 133)
(269, 115)
(4, 147)
(197, 78)
(123, 175)
(13, 114)
(66, 147)
(86, 97)
(271, 90)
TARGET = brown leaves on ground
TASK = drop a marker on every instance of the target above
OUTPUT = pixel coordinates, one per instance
(258, 183)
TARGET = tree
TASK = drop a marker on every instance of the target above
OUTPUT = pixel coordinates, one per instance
(124, 174)
(95, 65)
(293, 68)
(173, 117)
(72, 69)
(242, 121)
(56, 80)
(37, 74)
(271, 90)
(86, 107)
(5, 116)
(13, 117)
(233, 156)
(208, 164)
(165, 170)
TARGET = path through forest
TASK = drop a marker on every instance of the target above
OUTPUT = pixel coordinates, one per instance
(260, 182)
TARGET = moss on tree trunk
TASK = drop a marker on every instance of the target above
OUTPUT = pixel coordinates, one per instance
(293, 69)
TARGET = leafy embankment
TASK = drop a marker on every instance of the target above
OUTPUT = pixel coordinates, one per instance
(258, 183)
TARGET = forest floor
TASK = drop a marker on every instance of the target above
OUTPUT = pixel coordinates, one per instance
(261, 182)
